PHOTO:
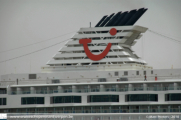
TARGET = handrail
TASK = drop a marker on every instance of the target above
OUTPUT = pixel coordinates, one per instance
(148, 110)
(87, 90)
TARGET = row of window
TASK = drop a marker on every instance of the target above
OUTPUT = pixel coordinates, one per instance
(128, 98)
(99, 98)
(126, 73)
(96, 98)
(33, 76)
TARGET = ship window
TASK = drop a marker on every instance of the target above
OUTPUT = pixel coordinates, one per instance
(65, 99)
(116, 74)
(144, 72)
(2, 101)
(102, 80)
(141, 97)
(3, 91)
(103, 98)
(32, 100)
(32, 76)
(137, 72)
(173, 97)
(122, 79)
(152, 72)
(55, 81)
(125, 72)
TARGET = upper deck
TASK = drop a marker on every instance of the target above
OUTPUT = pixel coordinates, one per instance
(117, 31)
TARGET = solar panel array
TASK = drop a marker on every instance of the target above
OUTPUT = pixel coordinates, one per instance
(121, 19)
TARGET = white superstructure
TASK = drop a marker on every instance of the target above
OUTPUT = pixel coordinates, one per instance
(121, 82)
(73, 52)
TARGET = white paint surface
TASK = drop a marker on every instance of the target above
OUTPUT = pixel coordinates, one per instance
(26, 22)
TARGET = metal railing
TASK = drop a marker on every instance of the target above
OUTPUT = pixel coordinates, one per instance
(151, 110)
(95, 90)
(94, 116)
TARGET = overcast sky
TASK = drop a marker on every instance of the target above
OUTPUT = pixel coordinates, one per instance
(24, 22)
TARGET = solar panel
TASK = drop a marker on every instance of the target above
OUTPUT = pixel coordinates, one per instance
(119, 18)
(114, 18)
(106, 20)
(127, 18)
(103, 18)
(136, 16)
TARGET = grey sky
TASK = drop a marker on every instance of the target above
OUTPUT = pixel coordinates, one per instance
(24, 22)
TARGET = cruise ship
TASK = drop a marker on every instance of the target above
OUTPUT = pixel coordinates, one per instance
(96, 76)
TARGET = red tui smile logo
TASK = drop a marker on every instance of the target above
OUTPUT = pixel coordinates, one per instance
(91, 56)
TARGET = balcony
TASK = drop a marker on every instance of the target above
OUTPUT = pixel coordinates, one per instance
(151, 110)
(87, 90)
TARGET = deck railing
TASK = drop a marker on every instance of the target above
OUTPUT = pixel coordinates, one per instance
(150, 110)
(95, 90)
